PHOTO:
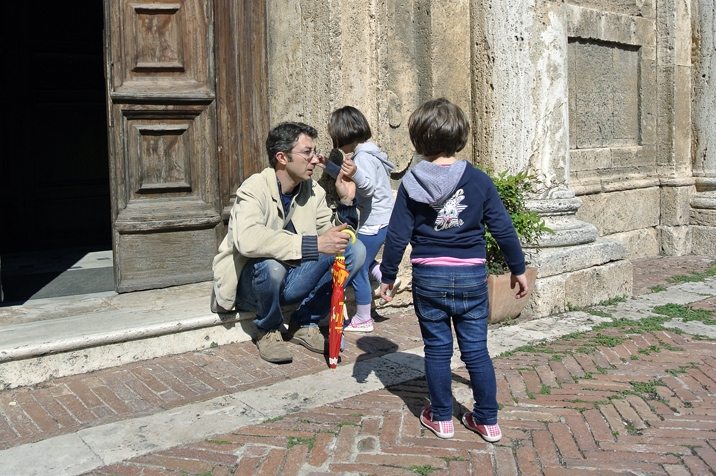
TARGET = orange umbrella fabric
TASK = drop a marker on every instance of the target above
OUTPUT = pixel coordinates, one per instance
(335, 325)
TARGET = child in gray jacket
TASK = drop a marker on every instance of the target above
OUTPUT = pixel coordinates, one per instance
(370, 169)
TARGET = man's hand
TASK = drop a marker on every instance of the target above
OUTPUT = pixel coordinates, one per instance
(520, 280)
(349, 167)
(346, 188)
(334, 241)
(384, 291)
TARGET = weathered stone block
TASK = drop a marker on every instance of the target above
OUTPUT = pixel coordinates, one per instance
(703, 240)
(675, 240)
(554, 261)
(605, 94)
(630, 157)
(609, 213)
(567, 231)
(683, 38)
(639, 243)
(589, 159)
(703, 221)
(548, 297)
(581, 288)
(647, 93)
(632, 8)
(406, 65)
(675, 205)
(703, 216)
(599, 283)
(595, 23)
(451, 51)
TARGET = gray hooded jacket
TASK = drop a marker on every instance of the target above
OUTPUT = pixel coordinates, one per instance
(374, 194)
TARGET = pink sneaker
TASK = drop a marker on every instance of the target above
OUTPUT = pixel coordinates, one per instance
(366, 326)
(443, 429)
(491, 433)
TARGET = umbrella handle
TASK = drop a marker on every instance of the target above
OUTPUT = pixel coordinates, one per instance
(350, 232)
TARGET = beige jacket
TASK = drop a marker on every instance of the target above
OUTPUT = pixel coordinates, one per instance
(256, 229)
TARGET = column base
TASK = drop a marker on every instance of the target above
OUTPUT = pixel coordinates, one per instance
(576, 267)
(703, 223)
(582, 288)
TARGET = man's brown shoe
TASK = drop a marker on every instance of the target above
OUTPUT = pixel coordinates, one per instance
(309, 337)
(272, 348)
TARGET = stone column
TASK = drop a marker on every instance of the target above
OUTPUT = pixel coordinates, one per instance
(521, 111)
(703, 204)
(673, 40)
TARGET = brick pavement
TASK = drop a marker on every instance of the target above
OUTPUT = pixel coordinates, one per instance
(642, 406)
(660, 271)
(586, 405)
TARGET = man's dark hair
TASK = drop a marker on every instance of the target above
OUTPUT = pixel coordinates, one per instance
(438, 126)
(348, 125)
(283, 138)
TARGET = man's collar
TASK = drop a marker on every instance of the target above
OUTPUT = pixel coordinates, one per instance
(293, 192)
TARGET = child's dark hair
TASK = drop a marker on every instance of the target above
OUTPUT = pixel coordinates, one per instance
(283, 138)
(438, 126)
(348, 125)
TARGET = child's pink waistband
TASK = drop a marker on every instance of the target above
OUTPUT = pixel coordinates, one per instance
(448, 261)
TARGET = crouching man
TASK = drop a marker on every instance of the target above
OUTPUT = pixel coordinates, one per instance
(281, 243)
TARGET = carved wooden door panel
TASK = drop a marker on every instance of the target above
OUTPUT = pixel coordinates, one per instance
(242, 93)
(162, 141)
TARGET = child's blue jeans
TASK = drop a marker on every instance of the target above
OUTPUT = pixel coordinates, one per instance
(457, 295)
(361, 283)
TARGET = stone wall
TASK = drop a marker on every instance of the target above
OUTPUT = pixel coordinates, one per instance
(594, 96)
(703, 203)
(385, 58)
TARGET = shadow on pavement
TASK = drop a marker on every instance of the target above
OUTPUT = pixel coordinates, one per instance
(54, 273)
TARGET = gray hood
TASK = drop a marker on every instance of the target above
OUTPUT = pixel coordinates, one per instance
(372, 149)
(432, 184)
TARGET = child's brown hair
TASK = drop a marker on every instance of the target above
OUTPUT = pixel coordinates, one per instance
(348, 125)
(438, 126)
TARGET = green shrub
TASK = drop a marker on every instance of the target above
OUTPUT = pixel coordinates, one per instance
(513, 190)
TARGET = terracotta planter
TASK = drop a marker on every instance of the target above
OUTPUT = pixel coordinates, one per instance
(503, 304)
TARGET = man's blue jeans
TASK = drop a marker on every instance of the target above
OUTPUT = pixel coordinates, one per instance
(266, 284)
(457, 295)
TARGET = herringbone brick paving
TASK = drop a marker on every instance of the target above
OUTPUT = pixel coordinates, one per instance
(641, 403)
(611, 401)
(646, 405)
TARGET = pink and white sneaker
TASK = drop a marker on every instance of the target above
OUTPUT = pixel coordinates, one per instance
(366, 326)
(444, 429)
(491, 433)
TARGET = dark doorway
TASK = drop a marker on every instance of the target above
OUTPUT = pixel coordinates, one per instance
(54, 168)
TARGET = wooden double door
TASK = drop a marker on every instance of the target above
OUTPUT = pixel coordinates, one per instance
(130, 122)
(187, 118)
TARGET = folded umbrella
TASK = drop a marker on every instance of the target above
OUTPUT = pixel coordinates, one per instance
(335, 325)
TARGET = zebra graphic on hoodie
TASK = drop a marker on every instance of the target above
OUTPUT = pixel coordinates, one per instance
(449, 212)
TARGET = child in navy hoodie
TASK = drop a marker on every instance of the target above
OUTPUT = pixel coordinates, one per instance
(442, 207)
